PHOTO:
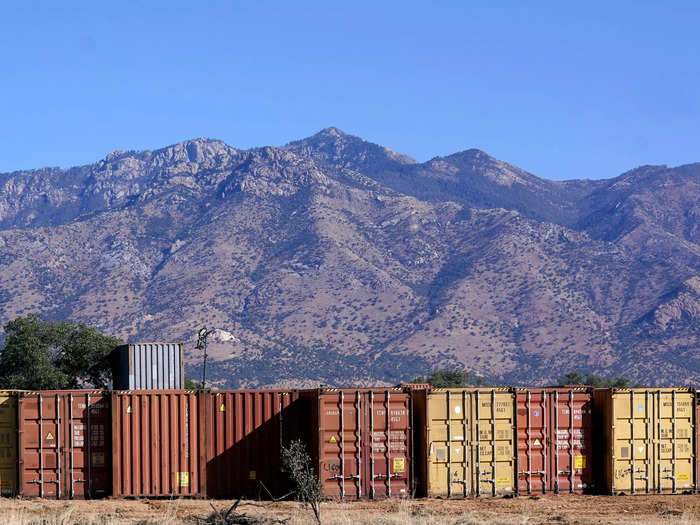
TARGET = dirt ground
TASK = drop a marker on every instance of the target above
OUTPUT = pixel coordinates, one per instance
(563, 509)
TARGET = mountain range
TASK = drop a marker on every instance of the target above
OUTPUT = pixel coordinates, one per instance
(335, 261)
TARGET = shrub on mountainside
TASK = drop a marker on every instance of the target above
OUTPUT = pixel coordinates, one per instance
(594, 380)
(41, 355)
(446, 378)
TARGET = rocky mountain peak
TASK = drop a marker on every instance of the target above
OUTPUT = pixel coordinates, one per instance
(331, 146)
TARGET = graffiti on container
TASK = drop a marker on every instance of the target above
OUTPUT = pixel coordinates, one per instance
(621, 473)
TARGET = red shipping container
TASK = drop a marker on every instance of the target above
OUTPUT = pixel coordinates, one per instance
(244, 431)
(361, 441)
(555, 440)
(64, 444)
(156, 443)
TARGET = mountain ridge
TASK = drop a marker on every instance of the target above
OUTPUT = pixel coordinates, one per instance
(335, 260)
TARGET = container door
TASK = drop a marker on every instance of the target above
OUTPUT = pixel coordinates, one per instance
(40, 446)
(570, 452)
(8, 445)
(697, 442)
(86, 454)
(340, 444)
(493, 435)
(633, 432)
(449, 457)
(386, 469)
(533, 441)
(675, 440)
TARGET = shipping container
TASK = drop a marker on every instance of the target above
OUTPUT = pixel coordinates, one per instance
(555, 440)
(646, 440)
(361, 441)
(8, 443)
(148, 366)
(243, 434)
(697, 441)
(465, 441)
(64, 445)
(156, 444)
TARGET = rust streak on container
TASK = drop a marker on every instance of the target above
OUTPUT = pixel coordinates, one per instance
(157, 443)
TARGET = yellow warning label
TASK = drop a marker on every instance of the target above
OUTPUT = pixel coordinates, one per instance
(49, 437)
(252, 474)
(333, 440)
(183, 479)
(579, 461)
(128, 409)
(222, 408)
(537, 443)
(399, 465)
(502, 481)
(98, 459)
(682, 477)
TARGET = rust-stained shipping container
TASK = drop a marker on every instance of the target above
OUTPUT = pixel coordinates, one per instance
(465, 441)
(156, 444)
(8, 443)
(243, 433)
(361, 441)
(646, 439)
(555, 440)
(64, 444)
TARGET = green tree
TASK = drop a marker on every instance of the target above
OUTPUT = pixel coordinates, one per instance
(594, 380)
(191, 384)
(43, 355)
(446, 378)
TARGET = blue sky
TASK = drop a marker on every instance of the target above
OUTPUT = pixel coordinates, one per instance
(564, 92)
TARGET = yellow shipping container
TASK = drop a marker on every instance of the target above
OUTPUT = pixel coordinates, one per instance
(465, 441)
(8, 444)
(646, 438)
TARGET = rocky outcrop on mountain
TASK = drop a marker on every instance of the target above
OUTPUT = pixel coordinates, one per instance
(337, 261)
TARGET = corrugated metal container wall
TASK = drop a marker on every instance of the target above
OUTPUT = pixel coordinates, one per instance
(148, 366)
(361, 441)
(465, 440)
(8, 443)
(244, 431)
(697, 441)
(646, 439)
(64, 445)
(555, 440)
(156, 443)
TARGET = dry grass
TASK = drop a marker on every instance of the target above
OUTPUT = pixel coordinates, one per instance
(578, 510)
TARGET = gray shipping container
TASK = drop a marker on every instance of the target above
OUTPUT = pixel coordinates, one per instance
(148, 366)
